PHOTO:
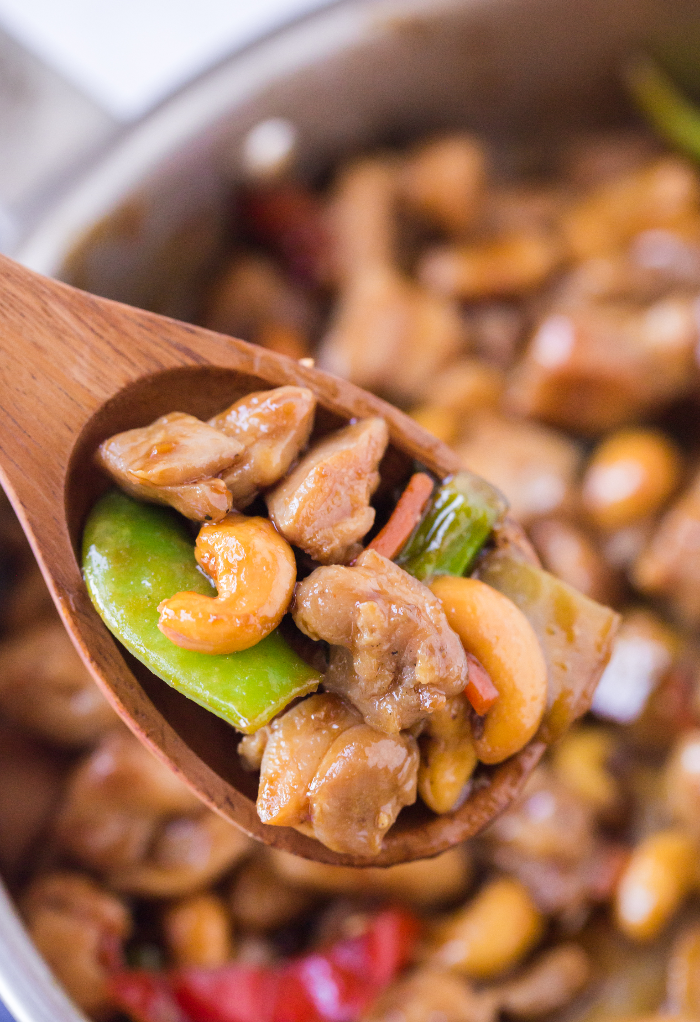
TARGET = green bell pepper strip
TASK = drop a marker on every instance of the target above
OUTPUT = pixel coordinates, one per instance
(458, 521)
(668, 110)
(134, 556)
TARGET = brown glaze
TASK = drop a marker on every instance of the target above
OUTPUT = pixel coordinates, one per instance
(74, 369)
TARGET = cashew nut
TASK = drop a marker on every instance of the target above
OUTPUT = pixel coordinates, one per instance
(254, 571)
(500, 636)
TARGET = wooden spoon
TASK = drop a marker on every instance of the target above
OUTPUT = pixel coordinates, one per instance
(74, 369)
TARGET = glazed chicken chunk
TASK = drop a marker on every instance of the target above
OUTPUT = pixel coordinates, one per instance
(393, 654)
(176, 460)
(669, 566)
(323, 504)
(334, 777)
(273, 426)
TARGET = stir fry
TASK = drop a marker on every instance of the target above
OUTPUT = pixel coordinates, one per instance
(408, 652)
(548, 330)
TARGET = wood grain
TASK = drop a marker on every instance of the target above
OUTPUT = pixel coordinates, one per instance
(75, 369)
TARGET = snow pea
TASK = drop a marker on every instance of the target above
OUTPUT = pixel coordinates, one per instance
(665, 106)
(134, 556)
(456, 524)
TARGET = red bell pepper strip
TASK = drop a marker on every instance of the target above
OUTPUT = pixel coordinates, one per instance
(480, 691)
(335, 984)
(405, 516)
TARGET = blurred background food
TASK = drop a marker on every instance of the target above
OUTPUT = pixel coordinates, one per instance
(539, 312)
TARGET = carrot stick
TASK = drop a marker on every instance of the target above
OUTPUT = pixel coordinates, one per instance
(480, 691)
(404, 517)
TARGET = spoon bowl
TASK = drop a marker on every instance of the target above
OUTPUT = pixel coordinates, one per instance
(75, 369)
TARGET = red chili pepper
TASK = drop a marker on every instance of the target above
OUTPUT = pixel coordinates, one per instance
(336, 984)
(345, 979)
(480, 691)
(145, 996)
(288, 218)
(293, 1002)
(392, 938)
(232, 993)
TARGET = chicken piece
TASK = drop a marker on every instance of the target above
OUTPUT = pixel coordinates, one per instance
(176, 460)
(443, 181)
(309, 729)
(115, 800)
(533, 466)
(511, 265)
(130, 818)
(334, 777)
(570, 554)
(261, 900)
(32, 778)
(550, 983)
(669, 566)
(393, 654)
(361, 216)
(79, 928)
(644, 652)
(603, 366)
(423, 883)
(189, 854)
(323, 504)
(251, 296)
(389, 334)
(273, 426)
(547, 821)
(548, 840)
(431, 995)
(45, 686)
(362, 784)
(660, 195)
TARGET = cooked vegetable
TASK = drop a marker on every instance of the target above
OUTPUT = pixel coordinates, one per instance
(405, 516)
(458, 521)
(136, 555)
(335, 984)
(480, 691)
(575, 633)
(672, 114)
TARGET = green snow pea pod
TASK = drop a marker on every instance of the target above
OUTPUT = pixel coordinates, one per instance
(134, 556)
(666, 107)
(459, 518)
